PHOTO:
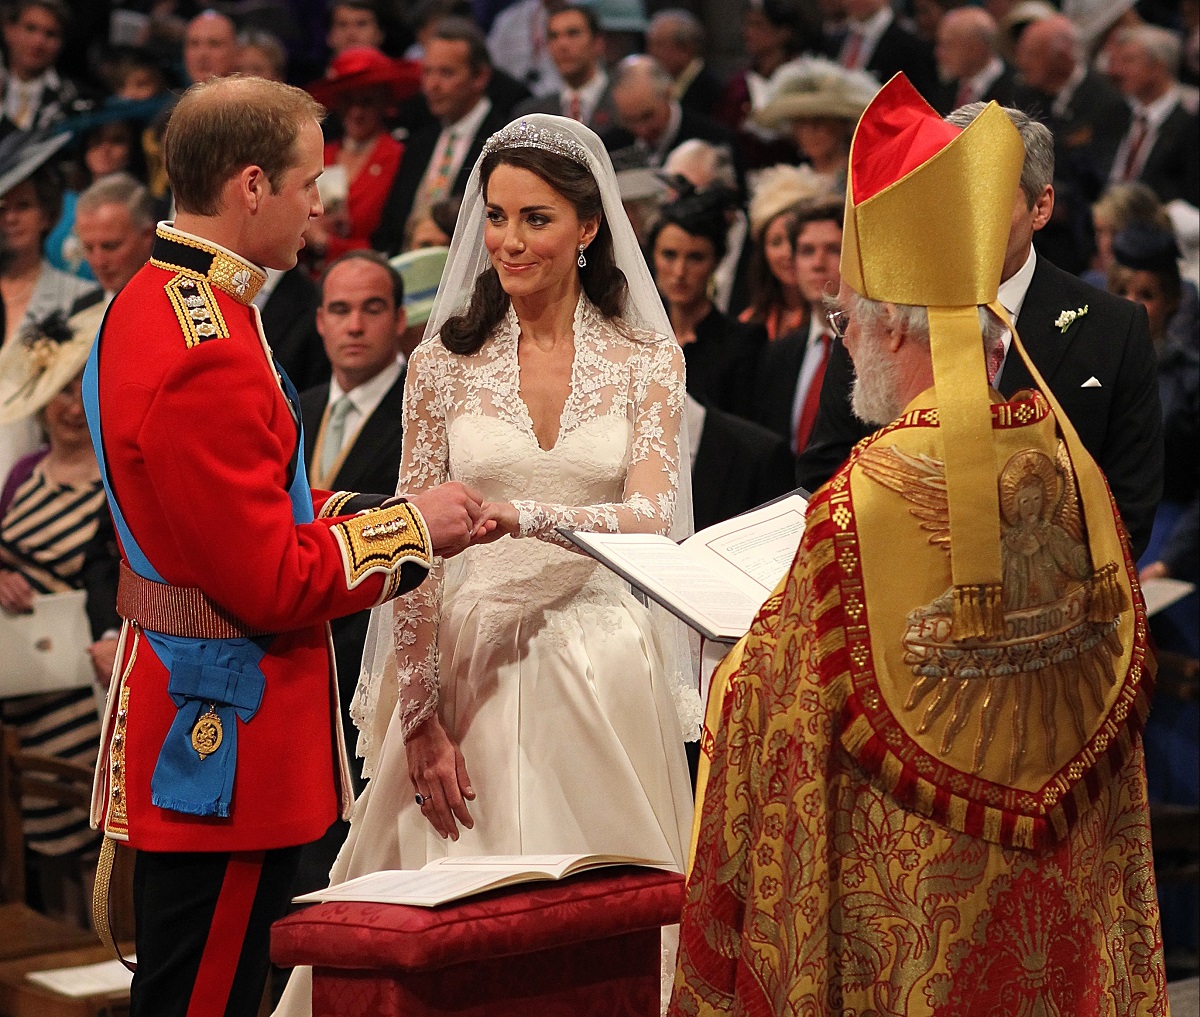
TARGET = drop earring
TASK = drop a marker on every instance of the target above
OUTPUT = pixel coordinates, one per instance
(582, 260)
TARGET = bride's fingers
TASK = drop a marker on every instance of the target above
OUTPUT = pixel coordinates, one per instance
(438, 812)
(464, 778)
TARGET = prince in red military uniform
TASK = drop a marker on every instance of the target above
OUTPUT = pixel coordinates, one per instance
(223, 748)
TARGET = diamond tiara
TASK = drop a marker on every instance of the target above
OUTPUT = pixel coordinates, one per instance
(523, 134)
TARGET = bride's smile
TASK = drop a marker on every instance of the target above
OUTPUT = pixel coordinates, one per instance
(533, 235)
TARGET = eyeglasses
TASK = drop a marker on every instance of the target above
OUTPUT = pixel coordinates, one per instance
(838, 321)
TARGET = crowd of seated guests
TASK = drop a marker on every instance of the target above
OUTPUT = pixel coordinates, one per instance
(732, 166)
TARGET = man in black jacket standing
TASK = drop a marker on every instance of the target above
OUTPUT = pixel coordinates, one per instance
(1092, 349)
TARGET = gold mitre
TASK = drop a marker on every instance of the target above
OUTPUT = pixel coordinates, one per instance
(928, 208)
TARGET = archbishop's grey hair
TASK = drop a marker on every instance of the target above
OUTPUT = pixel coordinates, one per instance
(913, 319)
(1038, 169)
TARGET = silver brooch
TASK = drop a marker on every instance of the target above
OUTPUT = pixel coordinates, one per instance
(522, 134)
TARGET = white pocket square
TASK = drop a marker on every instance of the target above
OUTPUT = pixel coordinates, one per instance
(1092, 382)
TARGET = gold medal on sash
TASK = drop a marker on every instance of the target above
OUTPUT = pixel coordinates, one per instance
(207, 733)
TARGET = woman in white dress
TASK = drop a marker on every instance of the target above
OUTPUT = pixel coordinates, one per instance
(521, 701)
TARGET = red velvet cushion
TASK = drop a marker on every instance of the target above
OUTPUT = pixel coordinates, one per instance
(517, 920)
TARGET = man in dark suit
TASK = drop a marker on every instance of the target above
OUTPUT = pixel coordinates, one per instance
(576, 46)
(878, 42)
(437, 161)
(968, 64)
(793, 366)
(1162, 146)
(676, 39)
(736, 464)
(653, 123)
(1086, 114)
(1099, 362)
(288, 305)
(352, 425)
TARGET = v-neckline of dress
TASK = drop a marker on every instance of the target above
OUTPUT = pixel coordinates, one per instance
(566, 414)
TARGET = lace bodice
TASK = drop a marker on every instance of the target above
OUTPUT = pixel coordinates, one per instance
(614, 467)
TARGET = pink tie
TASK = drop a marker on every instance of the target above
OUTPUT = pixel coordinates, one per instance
(852, 50)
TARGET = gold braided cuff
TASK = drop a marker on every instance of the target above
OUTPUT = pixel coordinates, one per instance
(382, 540)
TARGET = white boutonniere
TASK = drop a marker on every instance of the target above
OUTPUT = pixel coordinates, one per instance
(1067, 318)
(241, 279)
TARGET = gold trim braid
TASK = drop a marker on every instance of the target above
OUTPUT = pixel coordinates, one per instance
(101, 916)
(381, 540)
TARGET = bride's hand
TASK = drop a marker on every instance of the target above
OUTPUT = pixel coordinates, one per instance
(496, 519)
(439, 773)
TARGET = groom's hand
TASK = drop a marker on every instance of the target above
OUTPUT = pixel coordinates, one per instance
(451, 512)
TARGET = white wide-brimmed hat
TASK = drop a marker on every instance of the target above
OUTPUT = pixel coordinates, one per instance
(812, 87)
(38, 362)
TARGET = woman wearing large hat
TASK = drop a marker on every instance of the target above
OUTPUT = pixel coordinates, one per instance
(361, 87)
(818, 103)
(50, 509)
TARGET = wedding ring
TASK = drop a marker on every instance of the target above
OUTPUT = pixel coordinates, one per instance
(420, 799)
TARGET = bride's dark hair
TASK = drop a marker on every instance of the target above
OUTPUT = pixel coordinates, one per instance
(602, 281)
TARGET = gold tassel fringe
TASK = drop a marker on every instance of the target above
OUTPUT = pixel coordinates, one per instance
(977, 612)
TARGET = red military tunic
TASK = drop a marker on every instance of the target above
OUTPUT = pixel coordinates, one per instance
(201, 444)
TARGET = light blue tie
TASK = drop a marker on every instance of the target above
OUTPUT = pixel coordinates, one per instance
(335, 434)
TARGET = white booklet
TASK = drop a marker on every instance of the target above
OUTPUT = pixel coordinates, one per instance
(717, 579)
(449, 879)
(46, 651)
(106, 978)
(1162, 593)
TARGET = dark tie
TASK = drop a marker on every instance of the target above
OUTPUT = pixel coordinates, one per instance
(812, 398)
(1137, 140)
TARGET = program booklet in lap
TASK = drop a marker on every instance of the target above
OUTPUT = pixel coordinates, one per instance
(449, 879)
(717, 579)
(46, 650)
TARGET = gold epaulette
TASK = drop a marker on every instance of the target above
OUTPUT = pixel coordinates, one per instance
(195, 306)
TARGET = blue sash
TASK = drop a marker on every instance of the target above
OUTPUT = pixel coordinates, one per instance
(208, 677)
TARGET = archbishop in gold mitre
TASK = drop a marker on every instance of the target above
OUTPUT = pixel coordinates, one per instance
(922, 789)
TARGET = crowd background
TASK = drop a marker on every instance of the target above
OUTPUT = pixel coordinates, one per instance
(731, 138)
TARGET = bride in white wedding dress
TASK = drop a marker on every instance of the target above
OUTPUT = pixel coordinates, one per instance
(521, 701)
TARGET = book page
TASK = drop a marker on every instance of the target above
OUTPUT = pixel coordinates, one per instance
(725, 603)
(1162, 593)
(102, 979)
(758, 546)
(422, 887)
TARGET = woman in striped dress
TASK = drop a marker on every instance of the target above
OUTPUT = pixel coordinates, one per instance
(50, 509)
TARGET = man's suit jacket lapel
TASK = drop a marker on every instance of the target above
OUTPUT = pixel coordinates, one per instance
(418, 150)
(1050, 293)
(378, 437)
(494, 121)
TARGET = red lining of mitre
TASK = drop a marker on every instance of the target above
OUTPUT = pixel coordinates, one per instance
(898, 132)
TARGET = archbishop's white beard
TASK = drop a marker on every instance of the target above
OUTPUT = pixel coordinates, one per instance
(873, 397)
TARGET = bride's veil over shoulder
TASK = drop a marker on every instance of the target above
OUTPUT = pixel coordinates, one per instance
(644, 310)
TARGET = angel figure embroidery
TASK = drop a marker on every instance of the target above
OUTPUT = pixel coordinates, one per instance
(1050, 589)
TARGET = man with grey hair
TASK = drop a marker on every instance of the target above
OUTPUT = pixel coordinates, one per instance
(675, 38)
(114, 221)
(652, 122)
(969, 65)
(1100, 363)
(1085, 112)
(1162, 146)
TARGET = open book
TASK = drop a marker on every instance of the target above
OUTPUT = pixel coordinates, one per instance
(717, 579)
(448, 879)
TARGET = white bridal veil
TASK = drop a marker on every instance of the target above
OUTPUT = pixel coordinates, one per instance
(468, 258)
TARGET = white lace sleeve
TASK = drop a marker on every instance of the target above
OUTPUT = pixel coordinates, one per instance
(652, 480)
(424, 463)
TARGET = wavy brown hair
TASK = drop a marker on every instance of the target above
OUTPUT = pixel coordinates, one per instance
(602, 281)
